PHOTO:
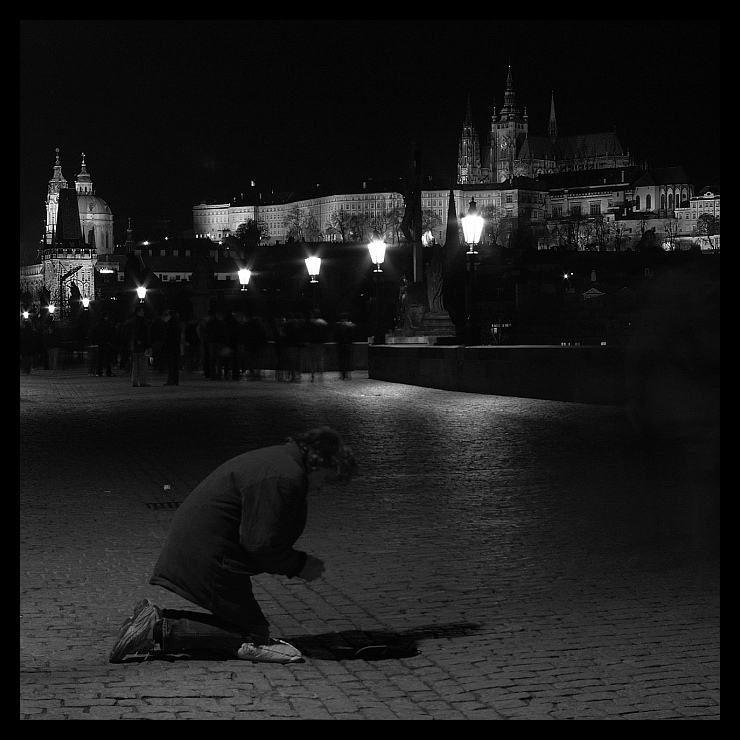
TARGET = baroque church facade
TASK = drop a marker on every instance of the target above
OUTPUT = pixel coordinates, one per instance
(510, 150)
(77, 233)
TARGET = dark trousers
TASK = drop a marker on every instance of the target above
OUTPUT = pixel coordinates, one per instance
(105, 360)
(344, 359)
(185, 631)
(173, 368)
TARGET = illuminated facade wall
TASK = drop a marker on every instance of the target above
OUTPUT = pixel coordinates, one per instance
(706, 203)
(217, 221)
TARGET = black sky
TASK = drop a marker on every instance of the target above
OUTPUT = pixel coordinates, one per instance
(171, 112)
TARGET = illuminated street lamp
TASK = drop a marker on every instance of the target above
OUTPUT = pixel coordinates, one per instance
(377, 251)
(472, 224)
(52, 308)
(376, 248)
(85, 303)
(313, 265)
(244, 276)
(141, 292)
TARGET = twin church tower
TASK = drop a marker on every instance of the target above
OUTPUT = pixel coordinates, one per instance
(511, 151)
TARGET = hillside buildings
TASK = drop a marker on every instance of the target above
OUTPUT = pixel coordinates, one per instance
(510, 150)
(538, 192)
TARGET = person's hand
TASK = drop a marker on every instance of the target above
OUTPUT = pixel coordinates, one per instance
(313, 569)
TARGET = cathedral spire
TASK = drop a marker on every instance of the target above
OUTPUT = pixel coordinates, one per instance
(452, 236)
(468, 113)
(509, 106)
(552, 126)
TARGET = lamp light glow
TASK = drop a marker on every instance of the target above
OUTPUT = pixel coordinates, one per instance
(244, 276)
(377, 251)
(313, 265)
(472, 224)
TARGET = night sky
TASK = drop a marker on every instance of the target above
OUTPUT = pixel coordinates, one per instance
(172, 112)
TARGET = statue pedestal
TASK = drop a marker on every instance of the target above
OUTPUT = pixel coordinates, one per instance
(437, 324)
(433, 324)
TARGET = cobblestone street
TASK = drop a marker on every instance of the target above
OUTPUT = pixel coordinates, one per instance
(544, 565)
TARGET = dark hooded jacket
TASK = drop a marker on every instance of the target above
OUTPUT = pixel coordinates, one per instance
(243, 519)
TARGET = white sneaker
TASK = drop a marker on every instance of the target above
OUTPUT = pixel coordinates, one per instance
(275, 651)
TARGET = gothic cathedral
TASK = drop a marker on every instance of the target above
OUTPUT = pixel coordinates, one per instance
(511, 151)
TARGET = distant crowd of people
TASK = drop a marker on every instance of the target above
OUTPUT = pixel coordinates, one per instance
(225, 345)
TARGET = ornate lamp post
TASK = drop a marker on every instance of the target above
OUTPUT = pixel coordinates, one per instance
(244, 275)
(472, 224)
(313, 266)
(377, 254)
(141, 292)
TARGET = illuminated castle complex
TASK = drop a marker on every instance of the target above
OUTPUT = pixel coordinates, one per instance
(511, 151)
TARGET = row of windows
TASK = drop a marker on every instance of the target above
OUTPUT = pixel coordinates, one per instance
(166, 277)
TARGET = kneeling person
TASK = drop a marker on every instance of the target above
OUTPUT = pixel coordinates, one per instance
(242, 520)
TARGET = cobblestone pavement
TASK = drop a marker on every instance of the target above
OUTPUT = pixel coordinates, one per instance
(544, 566)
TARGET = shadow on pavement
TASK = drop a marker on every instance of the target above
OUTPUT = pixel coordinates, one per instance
(376, 644)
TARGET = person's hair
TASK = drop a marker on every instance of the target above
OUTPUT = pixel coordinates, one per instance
(323, 447)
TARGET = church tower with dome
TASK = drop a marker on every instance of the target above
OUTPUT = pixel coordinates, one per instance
(79, 230)
(96, 219)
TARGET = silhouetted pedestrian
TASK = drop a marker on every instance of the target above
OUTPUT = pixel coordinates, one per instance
(281, 360)
(318, 336)
(213, 333)
(104, 336)
(53, 344)
(344, 334)
(230, 366)
(29, 346)
(294, 339)
(191, 346)
(254, 338)
(157, 329)
(140, 344)
(172, 345)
